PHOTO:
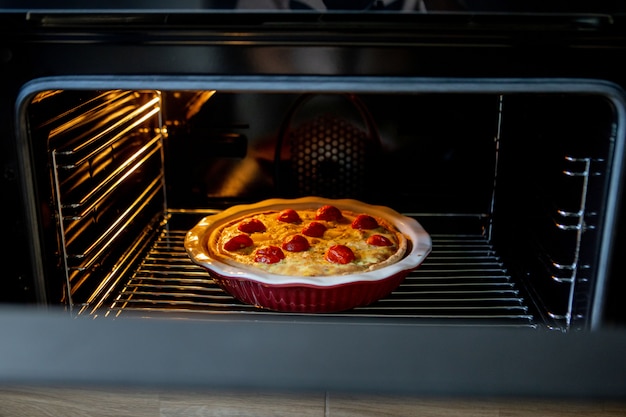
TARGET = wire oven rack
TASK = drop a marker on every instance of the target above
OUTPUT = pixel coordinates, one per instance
(462, 282)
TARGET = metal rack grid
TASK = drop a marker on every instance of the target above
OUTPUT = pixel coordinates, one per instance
(462, 282)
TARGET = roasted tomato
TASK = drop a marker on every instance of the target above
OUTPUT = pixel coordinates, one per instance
(339, 254)
(328, 213)
(378, 240)
(314, 229)
(238, 242)
(269, 255)
(251, 226)
(296, 243)
(289, 216)
(364, 222)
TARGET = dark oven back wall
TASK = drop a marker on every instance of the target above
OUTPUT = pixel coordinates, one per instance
(435, 153)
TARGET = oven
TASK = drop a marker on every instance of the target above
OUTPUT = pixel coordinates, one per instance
(502, 133)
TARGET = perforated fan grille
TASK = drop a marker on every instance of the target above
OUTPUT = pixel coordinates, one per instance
(329, 157)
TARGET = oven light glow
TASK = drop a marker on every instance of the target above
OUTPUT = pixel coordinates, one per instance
(197, 102)
(239, 180)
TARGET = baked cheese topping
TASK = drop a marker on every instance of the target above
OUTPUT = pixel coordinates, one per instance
(309, 242)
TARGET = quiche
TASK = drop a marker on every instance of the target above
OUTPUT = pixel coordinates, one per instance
(315, 242)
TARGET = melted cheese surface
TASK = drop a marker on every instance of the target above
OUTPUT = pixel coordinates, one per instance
(310, 262)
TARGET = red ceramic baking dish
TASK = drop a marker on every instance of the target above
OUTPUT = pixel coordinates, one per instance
(295, 292)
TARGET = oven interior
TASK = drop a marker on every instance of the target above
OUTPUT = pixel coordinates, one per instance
(512, 186)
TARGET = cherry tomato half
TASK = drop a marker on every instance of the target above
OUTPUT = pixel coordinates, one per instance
(339, 254)
(314, 229)
(238, 242)
(289, 216)
(364, 222)
(378, 240)
(296, 243)
(328, 213)
(269, 255)
(251, 226)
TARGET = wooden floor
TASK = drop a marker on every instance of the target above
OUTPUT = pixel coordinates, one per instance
(68, 402)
